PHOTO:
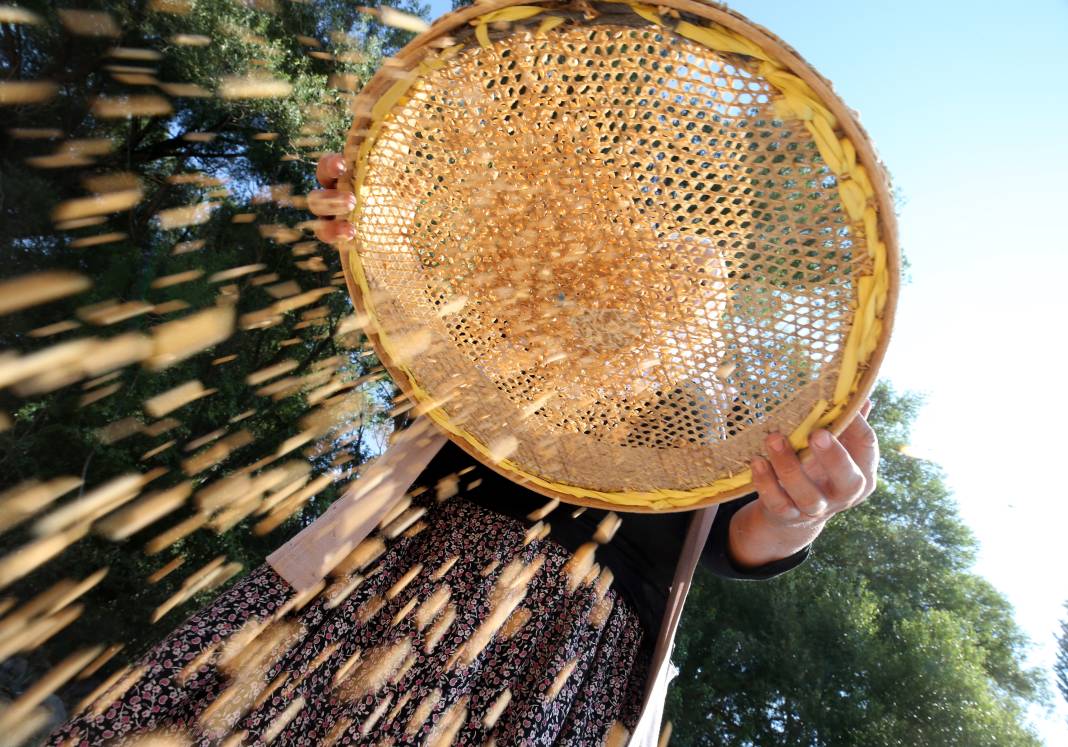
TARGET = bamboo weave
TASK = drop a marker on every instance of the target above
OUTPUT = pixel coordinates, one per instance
(618, 245)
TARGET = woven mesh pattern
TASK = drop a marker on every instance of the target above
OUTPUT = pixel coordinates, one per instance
(606, 256)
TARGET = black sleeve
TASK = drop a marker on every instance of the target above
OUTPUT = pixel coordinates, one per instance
(716, 556)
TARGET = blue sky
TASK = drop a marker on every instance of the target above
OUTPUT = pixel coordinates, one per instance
(968, 106)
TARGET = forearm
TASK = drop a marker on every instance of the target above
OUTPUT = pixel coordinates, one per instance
(754, 540)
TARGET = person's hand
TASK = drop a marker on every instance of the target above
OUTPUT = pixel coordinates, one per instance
(795, 500)
(840, 474)
(331, 204)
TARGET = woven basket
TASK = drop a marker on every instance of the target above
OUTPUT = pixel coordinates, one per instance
(609, 247)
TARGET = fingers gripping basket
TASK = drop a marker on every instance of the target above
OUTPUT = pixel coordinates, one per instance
(608, 247)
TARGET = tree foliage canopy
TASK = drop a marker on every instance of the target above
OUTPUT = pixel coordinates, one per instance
(247, 161)
(884, 637)
(1060, 668)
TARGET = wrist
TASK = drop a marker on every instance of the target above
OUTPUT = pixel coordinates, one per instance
(756, 539)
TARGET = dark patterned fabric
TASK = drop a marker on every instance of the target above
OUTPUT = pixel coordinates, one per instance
(431, 696)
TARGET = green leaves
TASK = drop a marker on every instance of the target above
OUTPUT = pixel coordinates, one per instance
(252, 158)
(1060, 669)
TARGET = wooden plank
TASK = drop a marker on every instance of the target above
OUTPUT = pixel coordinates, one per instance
(306, 559)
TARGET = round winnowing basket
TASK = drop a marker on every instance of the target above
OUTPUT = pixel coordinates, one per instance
(609, 247)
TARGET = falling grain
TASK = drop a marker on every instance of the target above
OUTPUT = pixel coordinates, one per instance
(172, 399)
(90, 506)
(121, 107)
(404, 611)
(533, 533)
(422, 712)
(401, 702)
(253, 87)
(197, 581)
(89, 23)
(544, 511)
(607, 528)
(204, 440)
(190, 40)
(404, 521)
(54, 329)
(369, 609)
(15, 15)
(405, 668)
(177, 278)
(399, 508)
(96, 664)
(217, 452)
(283, 720)
(42, 629)
(100, 204)
(397, 18)
(376, 715)
(28, 498)
(600, 612)
(537, 404)
(402, 583)
(49, 683)
(30, 290)
(160, 427)
(98, 394)
(618, 735)
(104, 238)
(415, 529)
(561, 679)
(515, 622)
(14, 92)
(494, 712)
(187, 90)
(101, 689)
(169, 307)
(339, 591)
(509, 591)
(186, 215)
(444, 568)
(579, 565)
(502, 448)
(183, 338)
(346, 668)
(168, 537)
(440, 627)
(266, 374)
(361, 556)
(433, 605)
(162, 572)
(143, 512)
(113, 312)
(446, 488)
(377, 668)
(724, 371)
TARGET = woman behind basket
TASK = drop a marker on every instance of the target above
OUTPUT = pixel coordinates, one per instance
(468, 627)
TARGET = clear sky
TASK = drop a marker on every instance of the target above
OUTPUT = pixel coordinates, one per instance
(968, 105)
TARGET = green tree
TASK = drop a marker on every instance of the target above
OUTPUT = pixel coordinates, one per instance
(884, 637)
(141, 103)
(1060, 668)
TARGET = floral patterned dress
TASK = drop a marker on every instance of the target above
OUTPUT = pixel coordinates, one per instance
(467, 628)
